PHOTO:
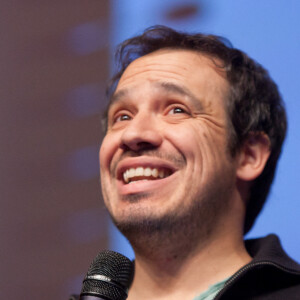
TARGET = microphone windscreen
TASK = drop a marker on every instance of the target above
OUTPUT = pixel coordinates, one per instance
(109, 276)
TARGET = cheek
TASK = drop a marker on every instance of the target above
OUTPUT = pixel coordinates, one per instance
(200, 143)
(108, 148)
(187, 140)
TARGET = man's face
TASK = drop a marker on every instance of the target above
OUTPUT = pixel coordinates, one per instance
(165, 153)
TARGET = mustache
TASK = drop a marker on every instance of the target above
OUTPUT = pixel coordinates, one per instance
(177, 159)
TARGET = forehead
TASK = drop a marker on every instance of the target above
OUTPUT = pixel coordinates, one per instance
(171, 62)
(186, 69)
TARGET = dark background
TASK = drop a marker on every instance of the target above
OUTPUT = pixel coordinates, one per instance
(52, 222)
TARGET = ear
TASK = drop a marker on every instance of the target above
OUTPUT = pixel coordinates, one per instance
(253, 156)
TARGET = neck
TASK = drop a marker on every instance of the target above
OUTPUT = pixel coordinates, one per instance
(183, 271)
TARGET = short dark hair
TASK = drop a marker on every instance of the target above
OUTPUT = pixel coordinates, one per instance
(254, 105)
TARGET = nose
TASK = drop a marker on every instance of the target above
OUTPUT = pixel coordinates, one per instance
(141, 133)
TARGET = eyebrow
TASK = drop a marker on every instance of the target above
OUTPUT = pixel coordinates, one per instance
(167, 87)
(170, 87)
(118, 96)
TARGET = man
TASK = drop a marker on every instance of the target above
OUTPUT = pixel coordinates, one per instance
(194, 132)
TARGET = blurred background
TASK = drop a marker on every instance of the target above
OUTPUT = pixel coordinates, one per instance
(55, 60)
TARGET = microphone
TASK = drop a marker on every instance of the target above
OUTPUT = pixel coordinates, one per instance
(108, 278)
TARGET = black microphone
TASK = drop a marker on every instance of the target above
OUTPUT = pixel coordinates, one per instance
(108, 278)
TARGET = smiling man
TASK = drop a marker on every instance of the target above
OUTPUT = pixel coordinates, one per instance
(194, 131)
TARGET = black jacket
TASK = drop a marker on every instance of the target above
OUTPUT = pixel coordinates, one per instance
(271, 275)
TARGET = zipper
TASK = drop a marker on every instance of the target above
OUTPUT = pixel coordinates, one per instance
(243, 270)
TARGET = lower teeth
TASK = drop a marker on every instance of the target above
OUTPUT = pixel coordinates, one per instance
(138, 180)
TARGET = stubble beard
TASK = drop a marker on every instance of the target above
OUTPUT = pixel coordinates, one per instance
(180, 230)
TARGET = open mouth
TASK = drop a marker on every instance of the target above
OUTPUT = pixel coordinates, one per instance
(144, 174)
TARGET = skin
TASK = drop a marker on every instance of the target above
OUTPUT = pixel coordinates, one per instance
(168, 111)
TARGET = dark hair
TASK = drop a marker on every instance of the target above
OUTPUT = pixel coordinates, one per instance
(254, 105)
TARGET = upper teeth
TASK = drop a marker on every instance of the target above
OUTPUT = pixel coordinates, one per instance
(143, 172)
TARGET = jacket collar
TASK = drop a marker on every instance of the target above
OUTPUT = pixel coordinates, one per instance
(269, 249)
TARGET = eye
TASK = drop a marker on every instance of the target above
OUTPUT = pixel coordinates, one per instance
(122, 117)
(177, 110)
(118, 115)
